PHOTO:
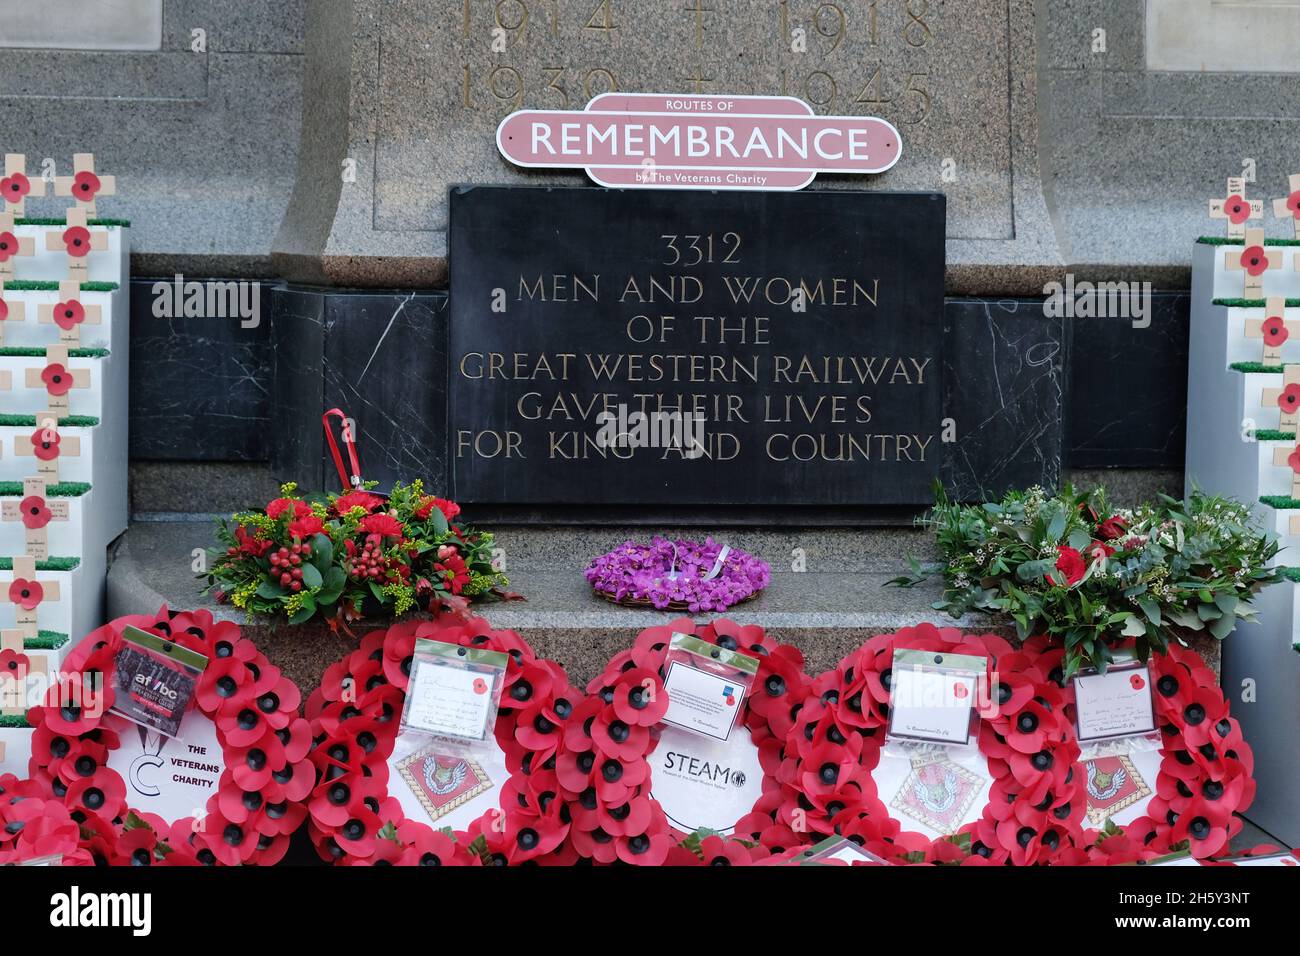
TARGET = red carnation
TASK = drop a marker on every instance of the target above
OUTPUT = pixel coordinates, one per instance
(281, 505)
(251, 544)
(1071, 564)
(384, 525)
(449, 509)
(354, 499)
(1112, 528)
(306, 526)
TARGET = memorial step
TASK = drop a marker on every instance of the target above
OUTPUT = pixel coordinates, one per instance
(826, 610)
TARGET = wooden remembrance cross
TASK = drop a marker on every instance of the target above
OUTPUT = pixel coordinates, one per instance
(57, 379)
(12, 245)
(12, 689)
(1236, 208)
(1289, 458)
(27, 593)
(1289, 208)
(47, 446)
(1253, 260)
(1286, 398)
(1272, 329)
(85, 184)
(15, 186)
(11, 310)
(69, 313)
(36, 511)
(78, 242)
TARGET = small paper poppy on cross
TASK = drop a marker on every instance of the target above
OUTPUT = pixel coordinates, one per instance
(77, 241)
(8, 246)
(1275, 331)
(45, 444)
(68, 315)
(57, 379)
(1293, 460)
(13, 664)
(1237, 209)
(1293, 204)
(4, 310)
(1289, 399)
(1254, 260)
(85, 185)
(26, 594)
(14, 187)
(34, 511)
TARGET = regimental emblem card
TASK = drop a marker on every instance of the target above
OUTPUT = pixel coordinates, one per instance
(454, 692)
(706, 686)
(932, 696)
(1114, 784)
(938, 793)
(1114, 704)
(442, 782)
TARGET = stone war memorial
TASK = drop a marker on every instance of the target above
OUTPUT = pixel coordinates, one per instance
(651, 434)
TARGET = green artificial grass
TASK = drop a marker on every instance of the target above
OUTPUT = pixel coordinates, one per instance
(50, 564)
(1254, 367)
(29, 421)
(1225, 241)
(1280, 502)
(1252, 303)
(64, 489)
(35, 351)
(45, 641)
(62, 221)
(1272, 434)
(45, 285)
(14, 720)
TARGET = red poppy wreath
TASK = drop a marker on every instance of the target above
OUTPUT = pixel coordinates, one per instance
(1015, 801)
(381, 798)
(1187, 794)
(630, 783)
(228, 791)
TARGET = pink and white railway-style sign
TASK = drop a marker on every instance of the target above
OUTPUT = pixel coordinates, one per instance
(687, 141)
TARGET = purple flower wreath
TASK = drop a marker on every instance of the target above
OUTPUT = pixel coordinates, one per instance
(673, 574)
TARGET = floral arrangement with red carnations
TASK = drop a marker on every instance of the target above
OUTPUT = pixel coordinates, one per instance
(349, 555)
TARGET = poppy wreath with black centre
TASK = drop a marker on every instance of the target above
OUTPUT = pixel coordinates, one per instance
(34, 824)
(355, 719)
(835, 746)
(264, 742)
(604, 767)
(1205, 776)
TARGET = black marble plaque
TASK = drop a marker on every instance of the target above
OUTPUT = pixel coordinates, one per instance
(799, 336)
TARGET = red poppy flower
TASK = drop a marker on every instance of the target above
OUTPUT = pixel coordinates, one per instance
(1293, 204)
(35, 513)
(639, 698)
(14, 187)
(26, 594)
(381, 524)
(8, 246)
(4, 310)
(85, 185)
(1237, 208)
(13, 665)
(1289, 399)
(45, 444)
(303, 528)
(357, 499)
(1254, 260)
(1275, 331)
(1293, 460)
(1137, 682)
(76, 239)
(68, 315)
(1071, 565)
(57, 379)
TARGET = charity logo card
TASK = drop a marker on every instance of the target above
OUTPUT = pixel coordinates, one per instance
(702, 702)
(932, 696)
(154, 680)
(442, 782)
(705, 783)
(1114, 704)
